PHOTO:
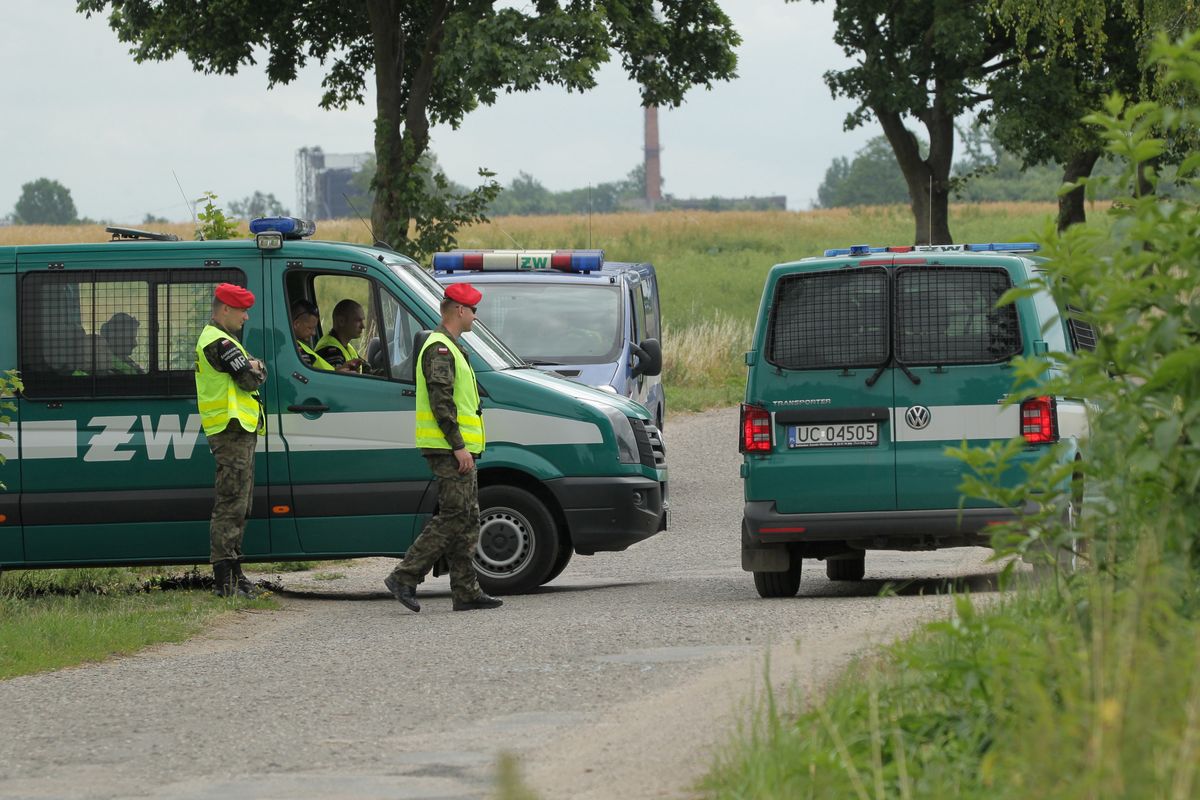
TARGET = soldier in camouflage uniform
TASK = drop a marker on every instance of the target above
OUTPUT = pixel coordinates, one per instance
(232, 421)
(449, 431)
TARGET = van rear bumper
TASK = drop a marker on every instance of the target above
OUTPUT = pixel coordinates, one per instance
(764, 528)
(605, 514)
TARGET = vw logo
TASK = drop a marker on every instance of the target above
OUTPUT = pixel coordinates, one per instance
(917, 417)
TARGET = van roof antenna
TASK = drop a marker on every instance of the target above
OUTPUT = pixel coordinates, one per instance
(376, 242)
(191, 207)
(510, 238)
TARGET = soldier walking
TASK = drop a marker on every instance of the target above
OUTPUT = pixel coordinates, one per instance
(227, 382)
(450, 434)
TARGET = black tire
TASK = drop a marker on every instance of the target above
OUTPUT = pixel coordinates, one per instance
(779, 584)
(846, 569)
(564, 557)
(518, 541)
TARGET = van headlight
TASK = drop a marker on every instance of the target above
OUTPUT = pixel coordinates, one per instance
(627, 447)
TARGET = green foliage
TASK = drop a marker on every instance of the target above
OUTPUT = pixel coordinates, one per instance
(213, 224)
(257, 205)
(44, 202)
(526, 195)
(439, 214)
(872, 178)
(10, 385)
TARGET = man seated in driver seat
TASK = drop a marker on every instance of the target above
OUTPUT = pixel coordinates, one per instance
(335, 347)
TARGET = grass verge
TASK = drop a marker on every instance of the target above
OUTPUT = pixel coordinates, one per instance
(50, 619)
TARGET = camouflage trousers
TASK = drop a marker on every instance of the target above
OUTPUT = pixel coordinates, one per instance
(453, 532)
(233, 450)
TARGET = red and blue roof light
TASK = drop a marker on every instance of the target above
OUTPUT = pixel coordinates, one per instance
(519, 260)
(989, 247)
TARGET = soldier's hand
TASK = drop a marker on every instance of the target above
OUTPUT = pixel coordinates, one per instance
(466, 462)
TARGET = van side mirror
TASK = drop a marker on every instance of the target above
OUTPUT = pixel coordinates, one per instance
(649, 356)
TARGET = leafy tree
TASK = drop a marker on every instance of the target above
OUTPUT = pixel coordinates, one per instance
(434, 61)
(44, 202)
(257, 205)
(872, 178)
(922, 60)
(213, 222)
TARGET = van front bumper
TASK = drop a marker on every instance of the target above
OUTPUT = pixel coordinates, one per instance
(606, 514)
(767, 534)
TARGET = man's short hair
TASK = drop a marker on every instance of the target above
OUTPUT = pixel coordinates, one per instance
(302, 308)
(343, 309)
(447, 303)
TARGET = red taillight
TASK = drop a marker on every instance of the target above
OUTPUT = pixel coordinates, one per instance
(756, 429)
(1038, 421)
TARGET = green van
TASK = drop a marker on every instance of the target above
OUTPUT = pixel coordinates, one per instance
(109, 463)
(866, 365)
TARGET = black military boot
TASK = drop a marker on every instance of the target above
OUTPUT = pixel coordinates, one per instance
(482, 601)
(224, 581)
(407, 595)
(244, 586)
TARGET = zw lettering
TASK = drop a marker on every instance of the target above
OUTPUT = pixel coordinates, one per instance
(118, 431)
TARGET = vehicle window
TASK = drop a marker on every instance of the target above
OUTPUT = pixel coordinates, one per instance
(1083, 335)
(342, 297)
(555, 323)
(829, 320)
(93, 333)
(400, 327)
(650, 300)
(948, 315)
(638, 304)
(481, 341)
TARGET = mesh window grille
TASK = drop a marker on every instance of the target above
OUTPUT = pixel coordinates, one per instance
(114, 333)
(948, 315)
(830, 320)
(1083, 335)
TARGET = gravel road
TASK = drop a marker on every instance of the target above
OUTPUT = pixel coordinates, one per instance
(621, 679)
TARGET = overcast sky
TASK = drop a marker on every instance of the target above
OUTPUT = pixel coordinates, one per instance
(77, 109)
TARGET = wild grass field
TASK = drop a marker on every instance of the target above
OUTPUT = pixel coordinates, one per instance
(711, 265)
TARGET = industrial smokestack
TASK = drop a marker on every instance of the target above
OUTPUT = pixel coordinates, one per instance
(653, 168)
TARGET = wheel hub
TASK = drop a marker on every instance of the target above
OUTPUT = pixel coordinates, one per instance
(505, 542)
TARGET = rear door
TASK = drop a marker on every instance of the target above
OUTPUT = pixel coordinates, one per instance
(954, 340)
(829, 388)
(11, 548)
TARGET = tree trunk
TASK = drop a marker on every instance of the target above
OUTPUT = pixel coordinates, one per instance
(1071, 210)
(928, 179)
(399, 189)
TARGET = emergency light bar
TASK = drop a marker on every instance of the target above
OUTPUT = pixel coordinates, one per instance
(519, 260)
(288, 227)
(991, 247)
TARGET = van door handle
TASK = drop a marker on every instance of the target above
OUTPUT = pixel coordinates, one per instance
(315, 408)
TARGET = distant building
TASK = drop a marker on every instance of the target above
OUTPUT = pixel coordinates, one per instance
(323, 181)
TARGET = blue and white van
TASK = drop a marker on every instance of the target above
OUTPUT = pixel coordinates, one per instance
(572, 313)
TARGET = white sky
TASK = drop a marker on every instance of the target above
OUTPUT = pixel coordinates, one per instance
(77, 109)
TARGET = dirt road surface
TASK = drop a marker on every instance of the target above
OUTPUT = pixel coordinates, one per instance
(624, 678)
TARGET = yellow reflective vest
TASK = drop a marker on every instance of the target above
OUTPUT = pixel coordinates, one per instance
(318, 362)
(466, 402)
(218, 397)
(347, 349)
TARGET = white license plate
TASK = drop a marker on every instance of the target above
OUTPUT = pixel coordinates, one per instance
(841, 434)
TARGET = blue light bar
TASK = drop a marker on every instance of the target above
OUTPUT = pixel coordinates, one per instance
(587, 260)
(854, 250)
(289, 227)
(1005, 247)
(448, 262)
(519, 260)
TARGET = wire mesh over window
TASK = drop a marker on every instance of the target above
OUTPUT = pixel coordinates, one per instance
(90, 333)
(948, 315)
(830, 320)
(1083, 335)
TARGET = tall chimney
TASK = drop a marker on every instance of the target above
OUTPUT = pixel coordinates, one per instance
(653, 169)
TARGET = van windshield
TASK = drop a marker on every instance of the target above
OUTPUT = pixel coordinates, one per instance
(482, 341)
(556, 323)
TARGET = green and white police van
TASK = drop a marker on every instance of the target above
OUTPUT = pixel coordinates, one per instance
(866, 365)
(109, 465)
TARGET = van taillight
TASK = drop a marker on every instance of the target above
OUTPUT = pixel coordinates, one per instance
(1039, 424)
(756, 430)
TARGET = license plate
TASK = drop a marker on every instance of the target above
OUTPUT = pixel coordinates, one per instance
(842, 434)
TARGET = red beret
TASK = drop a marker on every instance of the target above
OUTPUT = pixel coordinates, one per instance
(464, 293)
(234, 296)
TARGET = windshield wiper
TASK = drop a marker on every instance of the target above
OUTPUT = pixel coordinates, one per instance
(903, 368)
(541, 362)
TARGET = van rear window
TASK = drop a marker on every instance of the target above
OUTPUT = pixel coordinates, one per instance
(109, 333)
(948, 315)
(830, 320)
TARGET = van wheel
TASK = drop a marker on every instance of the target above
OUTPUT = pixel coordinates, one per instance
(564, 557)
(846, 569)
(779, 584)
(518, 543)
